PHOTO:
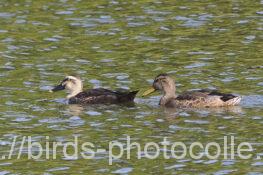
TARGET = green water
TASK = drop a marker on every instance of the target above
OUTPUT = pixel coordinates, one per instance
(125, 44)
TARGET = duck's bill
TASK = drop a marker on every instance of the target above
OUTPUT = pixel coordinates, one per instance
(57, 88)
(149, 91)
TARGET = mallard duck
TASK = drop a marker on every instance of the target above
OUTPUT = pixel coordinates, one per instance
(76, 95)
(198, 98)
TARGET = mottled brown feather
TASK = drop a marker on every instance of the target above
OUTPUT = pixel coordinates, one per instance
(100, 95)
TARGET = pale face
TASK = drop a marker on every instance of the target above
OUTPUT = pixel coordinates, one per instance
(70, 83)
(164, 83)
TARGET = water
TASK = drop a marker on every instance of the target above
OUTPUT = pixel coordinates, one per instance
(118, 44)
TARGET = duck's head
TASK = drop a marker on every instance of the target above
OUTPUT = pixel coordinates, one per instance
(164, 83)
(72, 84)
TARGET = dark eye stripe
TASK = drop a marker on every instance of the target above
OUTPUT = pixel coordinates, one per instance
(159, 79)
(66, 79)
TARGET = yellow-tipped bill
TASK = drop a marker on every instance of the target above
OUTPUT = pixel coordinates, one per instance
(148, 92)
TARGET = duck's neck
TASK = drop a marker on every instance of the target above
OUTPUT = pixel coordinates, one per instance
(73, 93)
(167, 95)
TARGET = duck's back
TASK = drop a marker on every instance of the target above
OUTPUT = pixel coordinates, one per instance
(101, 95)
(204, 98)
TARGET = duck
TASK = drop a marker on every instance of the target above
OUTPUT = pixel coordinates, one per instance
(76, 94)
(197, 98)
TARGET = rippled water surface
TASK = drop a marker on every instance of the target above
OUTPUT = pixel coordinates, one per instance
(125, 44)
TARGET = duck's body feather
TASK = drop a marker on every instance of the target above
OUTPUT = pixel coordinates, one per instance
(198, 98)
(203, 98)
(76, 95)
(101, 95)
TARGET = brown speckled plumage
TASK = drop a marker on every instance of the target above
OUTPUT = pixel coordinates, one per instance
(199, 98)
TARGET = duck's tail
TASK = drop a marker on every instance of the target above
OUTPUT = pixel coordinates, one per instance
(234, 101)
(128, 97)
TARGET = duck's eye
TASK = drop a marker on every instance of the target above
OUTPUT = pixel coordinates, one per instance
(64, 81)
(163, 81)
(72, 80)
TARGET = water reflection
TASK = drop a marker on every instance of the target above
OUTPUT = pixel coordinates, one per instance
(93, 109)
(194, 20)
(75, 110)
(173, 113)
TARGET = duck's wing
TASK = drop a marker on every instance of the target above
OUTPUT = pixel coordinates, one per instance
(191, 95)
(187, 99)
(99, 92)
(101, 95)
(207, 97)
(223, 96)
